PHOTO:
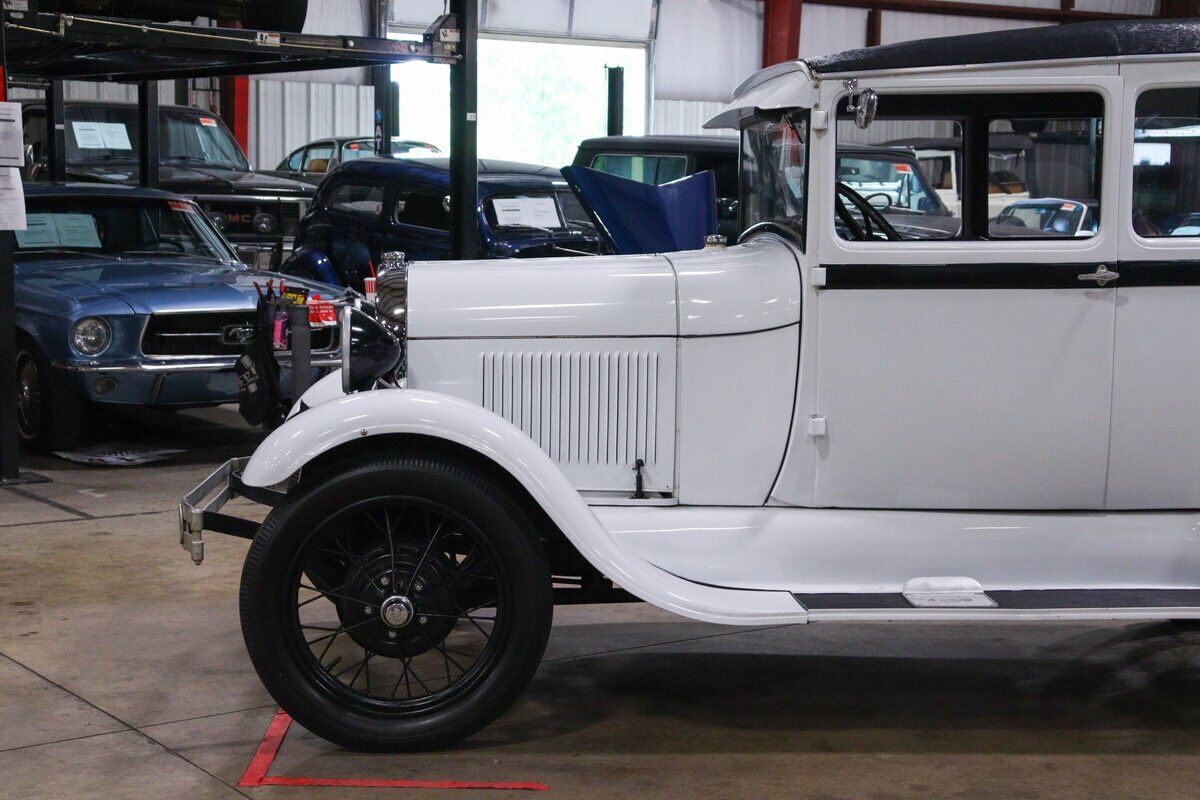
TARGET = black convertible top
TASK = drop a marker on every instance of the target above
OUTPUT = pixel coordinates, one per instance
(1078, 40)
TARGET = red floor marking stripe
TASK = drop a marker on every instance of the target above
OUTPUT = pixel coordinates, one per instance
(256, 772)
(401, 784)
(267, 748)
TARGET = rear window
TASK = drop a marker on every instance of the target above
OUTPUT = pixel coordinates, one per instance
(652, 169)
(359, 199)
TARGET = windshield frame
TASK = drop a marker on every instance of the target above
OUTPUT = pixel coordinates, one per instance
(792, 227)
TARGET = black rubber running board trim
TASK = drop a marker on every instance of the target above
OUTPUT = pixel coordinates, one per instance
(1022, 600)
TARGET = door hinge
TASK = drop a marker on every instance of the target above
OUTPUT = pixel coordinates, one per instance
(639, 480)
(817, 429)
(816, 276)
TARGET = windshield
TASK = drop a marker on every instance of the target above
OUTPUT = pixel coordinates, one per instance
(401, 148)
(119, 227)
(773, 174)
(894, 182)
(111, 133)
(1057, 216)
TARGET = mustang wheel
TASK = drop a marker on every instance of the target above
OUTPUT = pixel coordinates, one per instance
(399, 604)
(49, 413)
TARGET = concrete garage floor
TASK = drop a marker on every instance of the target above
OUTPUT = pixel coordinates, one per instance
(123, 675)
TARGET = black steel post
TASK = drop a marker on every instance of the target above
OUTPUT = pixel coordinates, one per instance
(183, 93)
(56, 132)
(149, 161)
(381, 80)
(464, 159)
(616, 100)
(10, 455)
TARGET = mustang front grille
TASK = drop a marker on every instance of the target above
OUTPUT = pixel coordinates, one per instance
(220, 333)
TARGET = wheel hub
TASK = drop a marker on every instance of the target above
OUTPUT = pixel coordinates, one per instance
(397, 611)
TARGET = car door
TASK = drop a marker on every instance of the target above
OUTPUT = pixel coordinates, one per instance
(420, 222)
(351, 228)
(1155, 460)
(966, 371)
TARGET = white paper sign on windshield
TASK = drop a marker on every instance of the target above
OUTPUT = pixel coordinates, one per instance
(530, 212)
(77, 230)
(116, 136)
(12, 200)
(12, 139)
(39, 233)
(87, 135)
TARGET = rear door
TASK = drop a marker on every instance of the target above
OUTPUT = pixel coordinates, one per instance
(1155, 461)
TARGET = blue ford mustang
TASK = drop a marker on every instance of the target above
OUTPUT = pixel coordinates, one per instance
(130, 297)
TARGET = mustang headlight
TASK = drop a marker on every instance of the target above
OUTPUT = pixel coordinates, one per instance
(369, 351)
(91, 335)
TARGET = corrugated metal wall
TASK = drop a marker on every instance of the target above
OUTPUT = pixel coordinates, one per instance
(287, 114)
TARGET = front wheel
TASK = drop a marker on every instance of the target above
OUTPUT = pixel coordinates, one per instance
(398, 604)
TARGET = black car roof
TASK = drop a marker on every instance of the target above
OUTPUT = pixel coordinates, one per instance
(122, 104)
(1081, 40)
(650, 144)
(40, 190)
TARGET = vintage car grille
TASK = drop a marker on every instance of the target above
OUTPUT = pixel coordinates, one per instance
(211, 334)
(238, 216)
(598, 408)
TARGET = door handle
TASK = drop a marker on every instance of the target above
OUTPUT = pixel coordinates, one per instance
(1102, 276)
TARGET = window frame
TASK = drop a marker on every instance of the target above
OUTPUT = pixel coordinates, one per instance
(333, 190)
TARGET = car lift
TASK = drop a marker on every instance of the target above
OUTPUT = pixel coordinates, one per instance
(53, 48)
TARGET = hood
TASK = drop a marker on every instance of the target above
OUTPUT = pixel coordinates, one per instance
(642, 218)
(197, 179)
(153, 285)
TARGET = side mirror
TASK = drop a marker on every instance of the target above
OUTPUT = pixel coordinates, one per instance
(30, 160)
(880, 201)
(865, 109)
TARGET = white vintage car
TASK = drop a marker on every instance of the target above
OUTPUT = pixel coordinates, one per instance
(803, 427)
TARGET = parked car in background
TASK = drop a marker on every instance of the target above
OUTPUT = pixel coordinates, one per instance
(1046, 216)
(312, 162)
(274, 15)
(258, 213)
(661, 159)
(373, 205)
(130, 297)
(887, 175)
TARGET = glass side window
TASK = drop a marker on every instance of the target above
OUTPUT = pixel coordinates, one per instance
(424, 210)
(360, 200)
(1166, 163)
(902, 170)
(294, 161)
(318, 157)
(1044, 177)
(652, 169)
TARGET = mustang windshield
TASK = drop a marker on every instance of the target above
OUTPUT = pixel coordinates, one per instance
(118, 227)
(774, 172)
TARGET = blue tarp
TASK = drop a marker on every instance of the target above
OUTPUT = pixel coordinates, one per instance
(642, 218)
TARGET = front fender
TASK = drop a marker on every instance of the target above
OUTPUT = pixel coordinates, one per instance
(404, 411)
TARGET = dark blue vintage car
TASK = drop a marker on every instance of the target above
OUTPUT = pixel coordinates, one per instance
(130, 297)
(373, 205)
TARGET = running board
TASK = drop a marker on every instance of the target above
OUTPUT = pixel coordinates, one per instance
(1055, 603)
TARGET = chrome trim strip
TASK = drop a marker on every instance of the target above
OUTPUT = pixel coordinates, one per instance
(212, 365)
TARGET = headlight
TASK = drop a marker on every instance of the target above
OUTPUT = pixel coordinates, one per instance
(391, 293)
(219, 220)
(369, 351)
(264, 223)
(91, 336)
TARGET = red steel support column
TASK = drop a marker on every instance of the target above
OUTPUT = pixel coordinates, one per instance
(781, 31)
(235, 108)
(874, 27)
(3, 86)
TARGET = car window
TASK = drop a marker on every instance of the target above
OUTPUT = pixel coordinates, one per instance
(318, 157)
(652, 169)
(1037, 178)
(358, 199)
(293, 162)
(363, 148)
(1166, 163)
(725, 170)
(423, 209)
(1043, 176)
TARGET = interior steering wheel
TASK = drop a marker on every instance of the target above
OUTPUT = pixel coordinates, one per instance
(872, 219)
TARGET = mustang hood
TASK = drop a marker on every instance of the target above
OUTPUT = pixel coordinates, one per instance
(152, 285)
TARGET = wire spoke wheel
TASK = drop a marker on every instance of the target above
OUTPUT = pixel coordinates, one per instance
(29, 395)
(397, 604)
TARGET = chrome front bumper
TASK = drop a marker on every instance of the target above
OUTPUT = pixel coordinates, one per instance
(181, 365)
(200, 509)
